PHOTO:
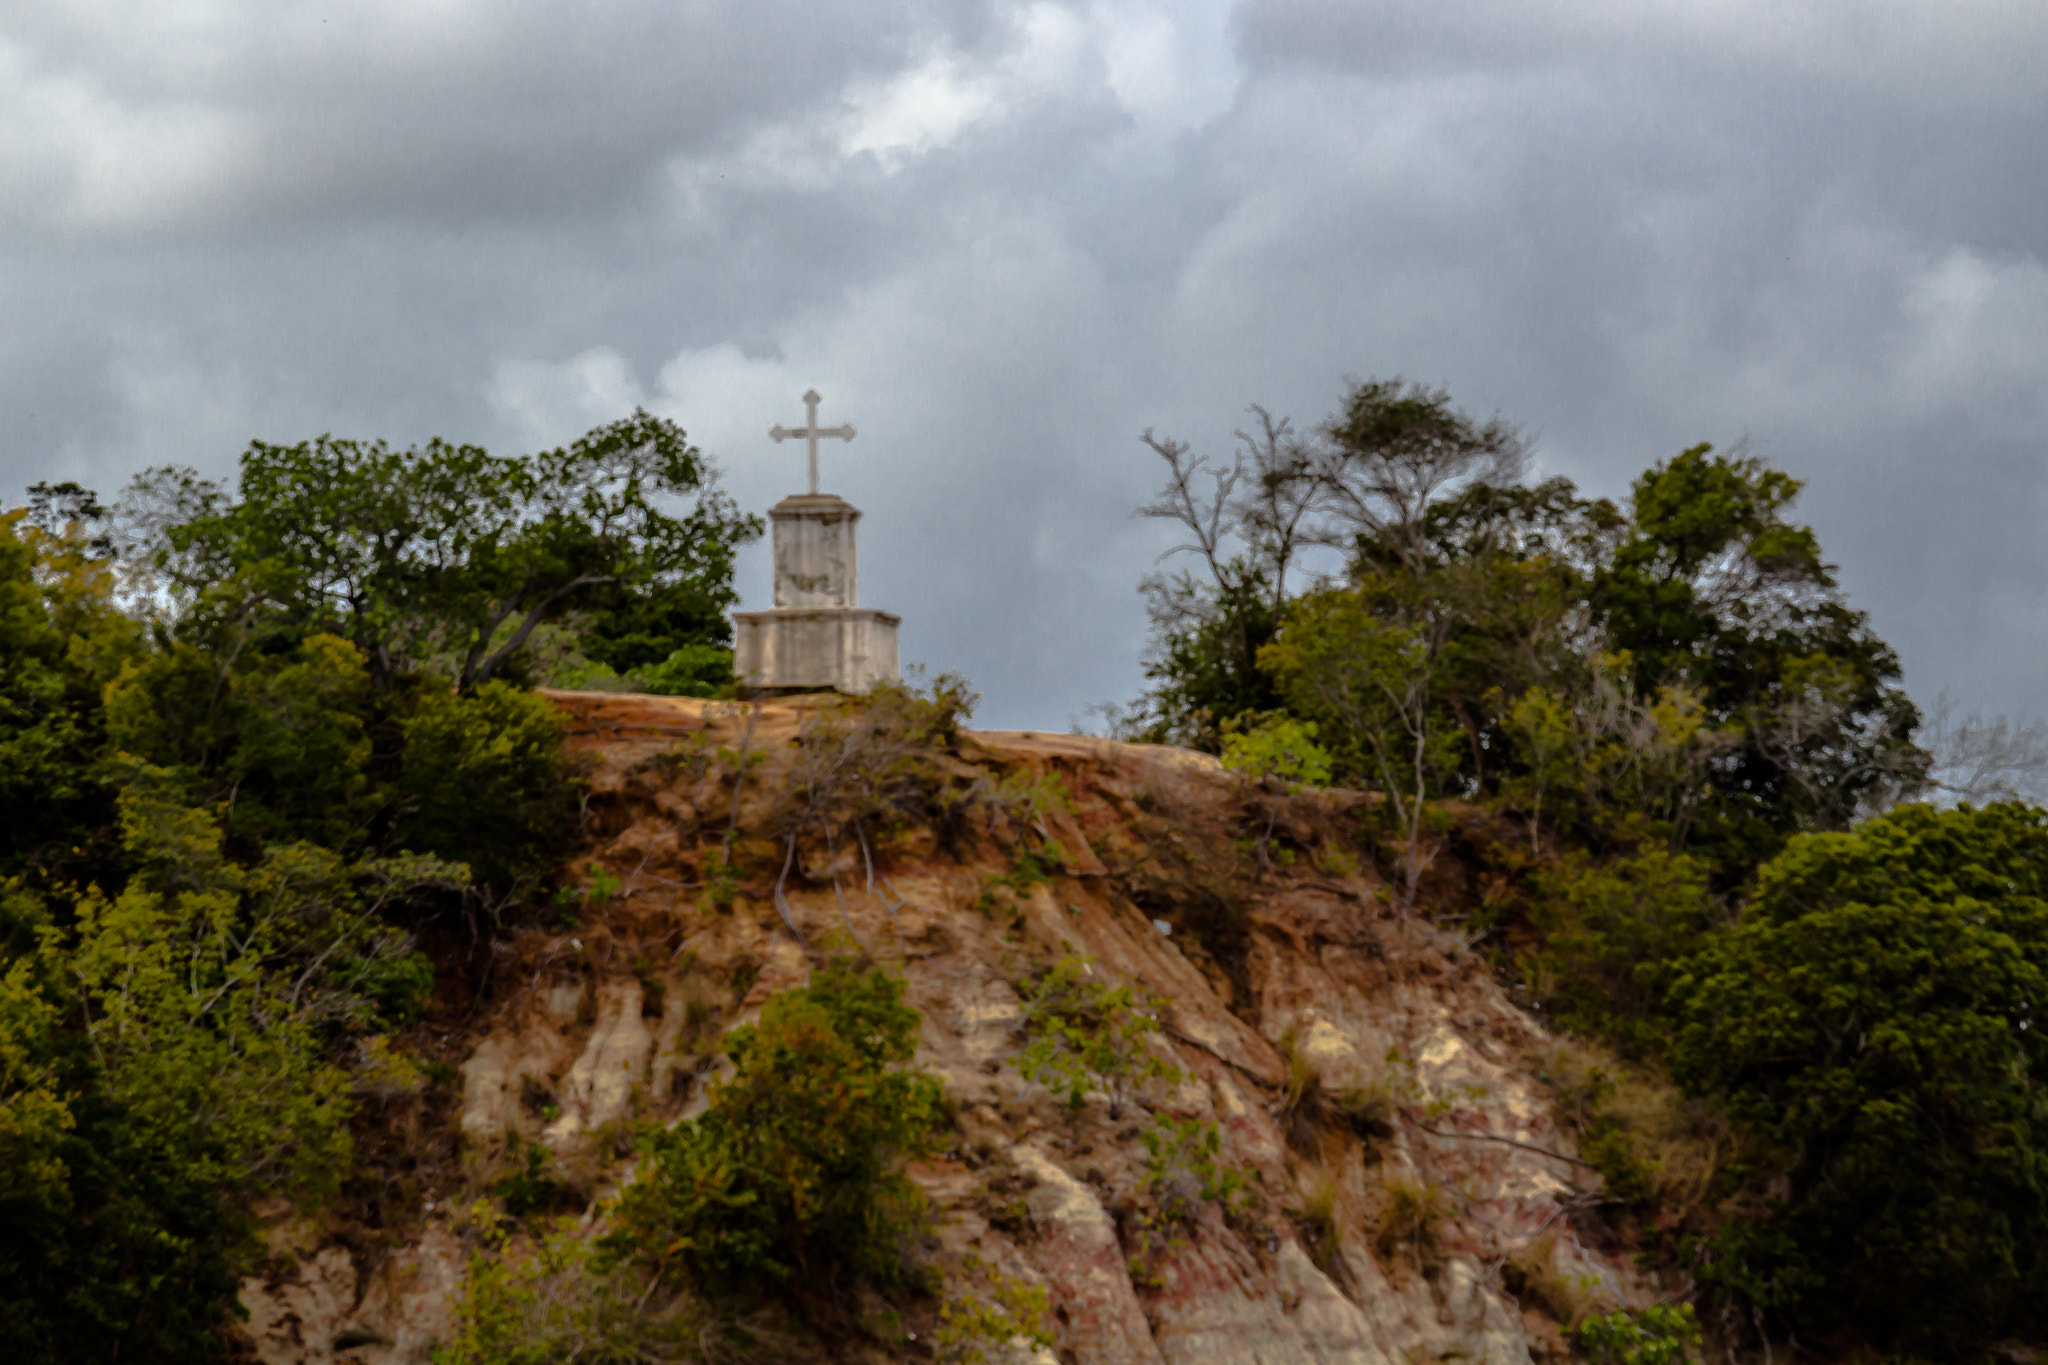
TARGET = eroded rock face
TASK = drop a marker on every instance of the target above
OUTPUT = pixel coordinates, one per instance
(394, 1316)
(1310, 969)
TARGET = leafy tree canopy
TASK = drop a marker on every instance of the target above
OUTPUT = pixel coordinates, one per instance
(1878, 1014)
(1695, 632)
(444, 553)
(251, 740)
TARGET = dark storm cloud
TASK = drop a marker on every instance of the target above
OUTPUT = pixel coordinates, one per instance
(222, 117)
(1004, 238)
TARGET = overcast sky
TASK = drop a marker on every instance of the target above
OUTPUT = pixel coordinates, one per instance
(1003, 239)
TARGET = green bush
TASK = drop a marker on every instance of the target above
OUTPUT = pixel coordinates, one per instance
(1609, 928)
(1184, 1167)
(484, 782)
(543, 1303)
(60, 640)
(995, 1312)
(167, 1059)
(694, 670)
(1876, 1015)
(790, 1180)
(1665, 1334)
(1088, 1032)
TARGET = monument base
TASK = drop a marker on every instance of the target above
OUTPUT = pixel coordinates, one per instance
(811, 649)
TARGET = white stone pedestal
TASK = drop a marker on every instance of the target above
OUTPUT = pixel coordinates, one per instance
(817, 637)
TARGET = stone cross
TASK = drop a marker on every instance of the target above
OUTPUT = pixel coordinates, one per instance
(811, 431)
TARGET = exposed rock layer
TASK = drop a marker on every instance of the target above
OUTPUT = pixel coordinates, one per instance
(615, 1020)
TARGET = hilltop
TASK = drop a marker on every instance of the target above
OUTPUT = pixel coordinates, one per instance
(1411, 1181)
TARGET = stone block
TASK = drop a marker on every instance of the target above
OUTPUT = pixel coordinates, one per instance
(844, 649)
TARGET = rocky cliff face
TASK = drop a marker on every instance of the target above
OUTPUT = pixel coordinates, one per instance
(1447, 1218)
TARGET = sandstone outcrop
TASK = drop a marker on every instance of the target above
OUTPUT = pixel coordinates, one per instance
(589, 1027)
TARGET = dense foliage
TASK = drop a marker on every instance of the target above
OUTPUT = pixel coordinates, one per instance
(254, 743)
(1877, 1014)
(1684, 667)
(1681, 744)
(789, 1182)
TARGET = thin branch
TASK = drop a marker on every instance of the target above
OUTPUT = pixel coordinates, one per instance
(782, 903)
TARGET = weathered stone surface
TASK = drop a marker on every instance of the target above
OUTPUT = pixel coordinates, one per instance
(408, 1306)
(817, 636)
(1084, 1264)
(1369, 999)
(612, 1066)
(826, 649)
(495, 1077)
(293, 1320)
(815, 560)
(1333, 1328)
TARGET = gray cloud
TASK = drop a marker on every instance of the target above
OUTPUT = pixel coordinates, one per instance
(1003, 238)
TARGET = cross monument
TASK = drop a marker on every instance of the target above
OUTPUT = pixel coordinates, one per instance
(816, 637)
(811, 431)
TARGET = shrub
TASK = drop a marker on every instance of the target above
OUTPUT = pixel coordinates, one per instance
(1665, 1154)
(997, 1310)
(693, 670)
(1316, 1222)
(545, 1302)
(1875, 1016)
(1183, 1166)
(1411, 1223)
(484, 781)
(1305, 1104)
(1088, 1033)
(789, 1181)
(1609, 931)
(1531, 1273)
(1661, 1335)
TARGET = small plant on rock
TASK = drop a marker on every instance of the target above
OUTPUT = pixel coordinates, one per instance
(1306, 1105)
(1316, 1223)
(995, 1311)
(1661, 1335)
(1088, 1033)
(543, 1302)
(1277, 756)
(1184, 1169)
(1411, 1224)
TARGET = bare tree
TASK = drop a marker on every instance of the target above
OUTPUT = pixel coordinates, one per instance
(1981, 758)
(1274, 511)
(1397, 448)
(1248, 525)
(1210, 518)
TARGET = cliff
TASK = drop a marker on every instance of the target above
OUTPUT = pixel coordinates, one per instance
(1439, 1211)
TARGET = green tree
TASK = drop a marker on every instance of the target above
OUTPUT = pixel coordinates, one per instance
(61, 639)
(281, 742)
(1609, 927)
(169, 1053)
(483, 780)
(1369, 682)
(1876, 1014)
(442, 551)
(790, 1183)
(1714, 588)
(1090, 1032)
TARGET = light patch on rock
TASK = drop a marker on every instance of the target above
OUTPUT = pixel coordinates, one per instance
(1333, 1328)
(563, 1000)
(497, 1072)
(409, 1304)
(292, 1321)
(1079, 1255)
(987, 1017)
(613, 1065)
